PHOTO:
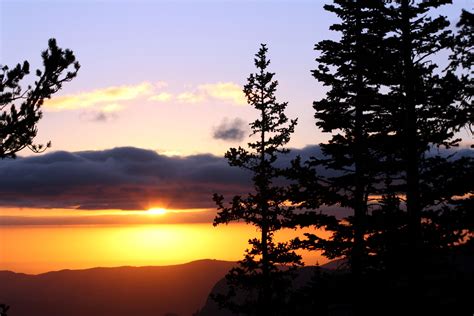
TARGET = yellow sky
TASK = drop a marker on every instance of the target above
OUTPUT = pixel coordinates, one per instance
(37, 249)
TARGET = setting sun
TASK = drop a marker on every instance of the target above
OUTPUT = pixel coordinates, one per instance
(157, 211)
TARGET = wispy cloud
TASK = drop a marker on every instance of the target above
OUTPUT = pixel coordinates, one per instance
(103, 117)
(98, 116)
(161, 84)
(161, 97)
(225, 91)
(101, 98)
(114, 107)
(191, 97)
(111, 99)
(228, 92)
(233, 130)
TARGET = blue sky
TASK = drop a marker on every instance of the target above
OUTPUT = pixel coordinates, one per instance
(184, 45)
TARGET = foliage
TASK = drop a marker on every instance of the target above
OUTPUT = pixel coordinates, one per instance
(4, 309)
(21, 109)
(390, 108)
(258, 285)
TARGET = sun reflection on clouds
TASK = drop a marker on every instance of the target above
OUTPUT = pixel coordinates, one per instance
(67, 217)
(98, 97)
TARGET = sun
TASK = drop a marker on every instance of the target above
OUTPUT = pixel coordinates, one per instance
(156, 211)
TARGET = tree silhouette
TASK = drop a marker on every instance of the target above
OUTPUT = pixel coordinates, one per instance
(259, 279)
(21, 109)
(463, 55)
(4, 309)
(427, 104)
(352, 111)
(462, 59)
(389, 106)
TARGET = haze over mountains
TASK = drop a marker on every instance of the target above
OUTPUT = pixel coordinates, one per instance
(144, 291)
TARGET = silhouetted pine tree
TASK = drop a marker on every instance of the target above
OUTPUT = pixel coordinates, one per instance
(4, 309)
(426, 108)
(353, 112)
(463, 55)
(350, 110)
(387, 106)
(462, 170)
(258, 285)
(421, 220)
(462, 61)
(21, 109)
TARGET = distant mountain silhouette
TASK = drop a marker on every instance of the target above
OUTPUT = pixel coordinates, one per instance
(177, 290)
(444, 288)
(303, 276)
(165, 290)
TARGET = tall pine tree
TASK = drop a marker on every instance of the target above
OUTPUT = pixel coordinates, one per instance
(462, 61)
(433, 104)
(429, 105)
(350, 111)
(259, 284)
(387, 106)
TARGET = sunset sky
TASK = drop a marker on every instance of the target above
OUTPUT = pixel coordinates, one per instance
(145, 124)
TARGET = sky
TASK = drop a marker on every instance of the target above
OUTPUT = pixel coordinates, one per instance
(158, 79)
(176, 68)
(165, 75)
(155, 105)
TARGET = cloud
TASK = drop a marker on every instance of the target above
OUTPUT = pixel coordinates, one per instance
(220, 91)
(191, 97)
(103, 117)
(225, 91)
(161, 97)
(233, 130)
(124, 178)
(121, 178)
(128, 178)
(114, 107)
(106, 114)
(201, 216)
(161, 84)
(109, 99)
(100, 98)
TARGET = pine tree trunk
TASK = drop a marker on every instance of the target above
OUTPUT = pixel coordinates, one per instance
(411, 135)
(266, 302)
(359, 186)
(359, 209)
(413, 270)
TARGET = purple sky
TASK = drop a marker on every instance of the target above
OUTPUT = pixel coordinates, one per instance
(164, 75)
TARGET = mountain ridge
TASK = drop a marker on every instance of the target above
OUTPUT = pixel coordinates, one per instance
(150, 290)
(119, 267)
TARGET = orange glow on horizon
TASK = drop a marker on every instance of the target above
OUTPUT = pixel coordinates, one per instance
(157, 211)
(38, 249)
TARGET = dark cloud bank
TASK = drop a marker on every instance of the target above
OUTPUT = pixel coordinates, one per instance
(119, 178)
(123, 178)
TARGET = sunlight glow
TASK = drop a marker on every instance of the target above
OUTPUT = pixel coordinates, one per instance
(22, 248)
(157, 211)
